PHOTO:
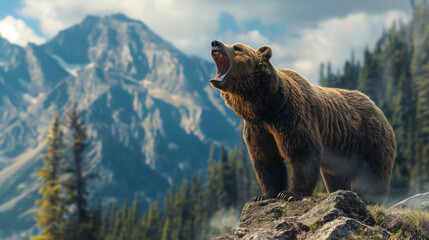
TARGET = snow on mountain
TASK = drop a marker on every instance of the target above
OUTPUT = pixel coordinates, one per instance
(150, 113)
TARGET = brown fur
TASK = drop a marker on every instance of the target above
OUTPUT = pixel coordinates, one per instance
(338, 132)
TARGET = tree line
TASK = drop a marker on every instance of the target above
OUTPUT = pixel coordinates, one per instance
(185, 213)
(63, 211)
(187, 210)
(395, 75)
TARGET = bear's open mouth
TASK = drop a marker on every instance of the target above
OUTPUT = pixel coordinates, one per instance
(222, 64)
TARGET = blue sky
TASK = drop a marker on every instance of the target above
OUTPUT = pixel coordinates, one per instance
(302, 33)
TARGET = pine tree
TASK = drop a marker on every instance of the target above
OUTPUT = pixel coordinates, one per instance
(368, 80)
(108, 219)
(400, 105)
(395, 75)
(349, 79)
(119, 230)
(222, 191)
(96, 221)
(80, 223)
(243, 178)
(144, 225)
(420, 74)
(133, 218)
(166, 231)
(169, 204)
(227, 184)
(203, 231)
(154, 221)
(322, 77)
(330, 80)
(179, 209)
(183, 218)
(333, 79)
(212, 184)
(50, 216)
(234, 158)
(77, 183)
(198, 210)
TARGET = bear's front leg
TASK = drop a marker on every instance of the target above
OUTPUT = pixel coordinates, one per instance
(304, 174)
(267, 162)
(303, 153)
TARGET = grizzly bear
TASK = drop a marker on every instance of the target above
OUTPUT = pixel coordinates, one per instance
(337, 132)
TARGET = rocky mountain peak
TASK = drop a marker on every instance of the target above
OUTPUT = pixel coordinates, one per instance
(86, 41)
(150, 112)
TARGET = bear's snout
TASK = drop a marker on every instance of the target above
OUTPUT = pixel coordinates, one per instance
(216, 43)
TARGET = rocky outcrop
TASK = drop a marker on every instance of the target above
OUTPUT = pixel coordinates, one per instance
(344, 228)
(419, 201)
(340, 215)
(340, 203)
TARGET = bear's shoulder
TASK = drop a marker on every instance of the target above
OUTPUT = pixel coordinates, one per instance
(296, 81)
(291, 74)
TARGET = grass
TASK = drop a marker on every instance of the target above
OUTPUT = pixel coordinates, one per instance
(378, 213)
(363, 234)
(299, 208)
(404, 223)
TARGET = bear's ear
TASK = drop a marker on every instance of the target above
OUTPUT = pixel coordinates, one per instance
(265, 51)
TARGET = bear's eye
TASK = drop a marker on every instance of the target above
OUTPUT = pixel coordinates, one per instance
(237, 48)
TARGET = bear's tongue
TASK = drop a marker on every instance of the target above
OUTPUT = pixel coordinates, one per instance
(220, 78)
(222, 64)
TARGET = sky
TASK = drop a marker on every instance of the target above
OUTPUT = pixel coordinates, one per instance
(302, 33)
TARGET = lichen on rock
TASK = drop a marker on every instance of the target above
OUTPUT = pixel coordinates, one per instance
(340, 215)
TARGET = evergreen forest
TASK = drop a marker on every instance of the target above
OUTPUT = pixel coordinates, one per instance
(394, 74)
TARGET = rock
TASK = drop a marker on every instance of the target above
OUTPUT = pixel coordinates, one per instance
(341, 215)
(277, 230)
(418, 202)
(345, 228)
(227, 237)
(340, 203)
(239, 232)
(262, 220)
(259, 213)
(265, 220)
(337, 214)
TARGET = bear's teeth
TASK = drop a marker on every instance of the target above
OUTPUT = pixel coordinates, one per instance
(223, 76)
(220, 78)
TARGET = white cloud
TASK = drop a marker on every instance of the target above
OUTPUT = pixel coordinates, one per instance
(332, 40)
(191, 25)
(252, 38)
(17, 32)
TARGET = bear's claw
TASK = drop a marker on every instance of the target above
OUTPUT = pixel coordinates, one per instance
(258, 198)
(288, 196)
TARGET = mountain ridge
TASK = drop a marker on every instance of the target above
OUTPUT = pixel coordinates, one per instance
(147, 106)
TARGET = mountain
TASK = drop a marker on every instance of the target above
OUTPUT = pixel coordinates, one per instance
(151, 115)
